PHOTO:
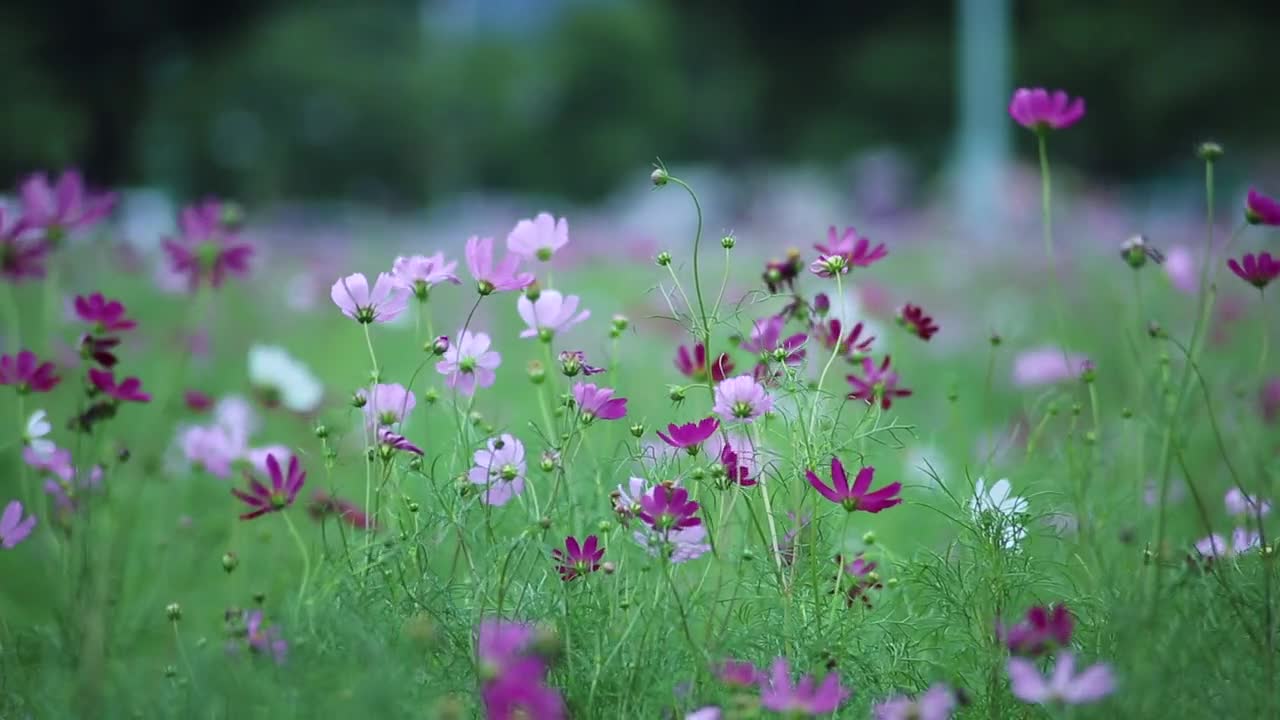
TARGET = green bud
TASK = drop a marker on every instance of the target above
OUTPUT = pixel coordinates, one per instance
(173, 611)
(727, 242)
(637, 430)
(230, 561)
(1209, 151)
(664, 258)
(322, 432)
(659, 177)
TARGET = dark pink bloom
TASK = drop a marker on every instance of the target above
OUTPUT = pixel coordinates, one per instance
(494, 276)
(862, 580)
(1257, 270)
(206, 249)
(766, 340)
(856, 250)
(878, 384)
(1044, 629)
(25, 372)
(694, 364)
(1040, 110)
(575, 559)
(99, 349)
(63, 206)
(936, 703)
(521, 693)
(1260, 209)
(393, 442)
(22, 254)
(803, 698)
(197, 401)
(264, 639)
(598, 403)
(859, 496)
(500, 644)
(690, 436)
(738, 674)
(105, 315)
(323, 505)
(852, 343)
(666, 509)
(13, 527)
(127, 390)
(783, 273)
(283, 491)
(573, 362)
(734, 471)
(913, 318)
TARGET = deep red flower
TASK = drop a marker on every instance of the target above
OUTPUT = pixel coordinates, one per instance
(694, 364)
(576, 560)
(879, 383)
(690, 436)
(106, 315)
(913, 318)
(127, 390)
(1257, 270)
(283, 491)
(197, 401)
(99, 349)
(1043, 629)
(735, 472)
(27, 373)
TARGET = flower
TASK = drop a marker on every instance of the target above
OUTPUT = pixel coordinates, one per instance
(1242, 540)
(1260, 209)
(419, 273)
(596, 402)
(538, 238)
(392, 442)
(678, 546)
(738, 674)
(829, 266)
(500, 468)
(62, 206)
(212, 448)
(1046, 366)
(22, 254)
(57, 462)
(851, 344)
(521, 692)
(669, 508)
(13, 528)
(936, 703)
(782, 273)
(469, 363)
(921, 325)
(766, 339)
(1043, 629)
(741, 398)
(787, 545)
(282, 379)
(690, 436)
(734, 471)
(389, 404)
(127, 390)
(206, 249)
(879, 383)
(575, 559)
(383, 304)
(1037, 109)
(36, 432)
(264, 639)
(1028, 685)
(491, 277)
(998, 506)
(864, 579)
(25, 372)
(1257, 270)
(856, 250)
(573, 362)
(858, 497)
(1269, 399)
(323, 505)
(1239, 503)
(284, 488)
(779, 695)
(694, 365)
(549, 314)
(1180, 266)
(99, 349)
(501, 644)
(105, 315)
(711, 712)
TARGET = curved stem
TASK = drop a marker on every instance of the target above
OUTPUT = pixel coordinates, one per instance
(697, 284)
(306, 559)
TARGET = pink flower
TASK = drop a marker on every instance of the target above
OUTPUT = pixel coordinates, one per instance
(690, 436)
(389, 405)
(852, 343)
(1046, 366)
(213, 448)
(1043, 629)
(549, 314)
(500, 469)
(738, 674)
(469, 363)
(538, 238)
(803, 698)
(264, 639)
(323, 505)
(694, 364)
(393, 442)
(1040, 110)
(1181, 267)
(577, 560)
(127, 390)
(877, 384)
(598, 403)
(741, 399)
(859, 496)
(863, 579)
(1239, 503)
(913, 318)
(494, 277)
(283, 491)
(105, 315)
(22, 254)
(27, 373)
(13, 527)
(669, 508)
(1257, 270)
(936, 703)
(679, 545)
(1260, 209)
(766, 341)
(1242, 541)
(419, 273)
(856, 250)
(1028, 685)
(207, 249)
(383, 304)
(63, 206)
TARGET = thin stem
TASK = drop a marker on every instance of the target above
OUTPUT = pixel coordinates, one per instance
(813, 414)
(697, 282)
(306, 559)
(1046, 210)
(182, 651)
(768, 510)
(1266, 337)
(13, 319)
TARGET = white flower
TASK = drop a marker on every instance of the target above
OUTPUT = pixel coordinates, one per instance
(37, 428)
(1007, 509)
(273, 369)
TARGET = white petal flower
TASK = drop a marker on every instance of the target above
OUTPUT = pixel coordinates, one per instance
(37, 429)
(274, 369)
(997, 502)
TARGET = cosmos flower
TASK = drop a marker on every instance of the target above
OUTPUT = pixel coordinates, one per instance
(1257, 270)
(598, 403)
(105, 315)
(1038, 109)
(64, 206)
(500, 468)
(264, 639)
(1240, 504)
(538, 238)
(35, 436)
(22, 253)
(500, 644)
(778, 694)
(1180, 265)
(711, 712)
(283, 491)
(323, 505)
(741, 399)
(206, 248)
(381, 305)
(766, 340)
(494, 277)
(392, 442)
(549, 314)
(13, 527)
(212, 448)
(573, 362)
(127, 390)
(678, 546)
(862, 580)
(913, 318)
(669, 508)
(856, 250)
(735, 472)
(99, 349)
(1043, 629)
(1046, 366)
(1260, 209)
(282, 379)
(469, 363)
(521, 692)
(1063, 685)
(27, 374)
(693, 365)
(877, 384)
(690, 436)
(852, 344)
(996, 504)
(389, 404)
(739, 674)
(859, 496)
(936, 703)
(1242, 541)
(419, 273)
(779, 274)
(577, 560)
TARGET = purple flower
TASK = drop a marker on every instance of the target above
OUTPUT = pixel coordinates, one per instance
(1040, 110)
(127, 390)
(383, 304)
(803, 698)
(863, 579)
(26, 373)
(1043, 629)
(711, 712)
(1242, 540)
(549, 314)
(1260, 209)
(669, 508)
(738, 674)
(694, 364)
(859, 496)
(679, 546)
(213, 448)
(538, 238)
(521, 693)
(1091, 685)
(742, 399)
(13, 527)
(576, 560)
(1046, 366)
(690, 436)
(284, 488)
(856, 250)
(936, 703)
(494, 277)
(766, 340)
(598, 403)
(22, 254)
(419, 273)
(1257, 270)
(851, 344)
(393, 442)
(877, 384)
(500, 468)
(388, 405)
(500, 644)
(734, 471)
(921, 325)
(264, 639)
(63, 206)
(1239, 503)
(105, 315)
(573, 362)
(469, 363)
(206, 249)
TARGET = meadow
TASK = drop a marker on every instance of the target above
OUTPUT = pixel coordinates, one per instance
(547, 473)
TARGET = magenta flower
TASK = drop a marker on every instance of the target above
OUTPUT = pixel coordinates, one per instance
(852, 343)
(803, 698)
(1257, 270)
(419, 273)
(13, 527)
(780, 274)
(1038, 109)
(22, 254)
(1064, 685)
(855, 249)
(99, 349)
(937, 703)
(573, 362)
(105, 315)
(494, 277)
(469, 363)
(690, 436)
(197, 401)
(25, 372)
(1046, 366)
(1260, 209)
(323, 505)
(521, 692)
(63, 206)
(828, 266)
(669, 508)
(863, 579)
(127, 390)
(1269, 400)
(766, 340)
(678, 546)
(264, 639)
(500, 469)
(538, 238)
(576, 560)
(859, 496)
(388, 405)
(549, 314)
(694, 364)
(598, 403)
(206, 249)
(283, 491)
(734, 471)
(392, 442)
(1242, 541)
(383, 304)
(500, 644)
(742, 399)
(877, 384)
(1044, 629)
(913, 318)
(1239, 503)
(739, 674)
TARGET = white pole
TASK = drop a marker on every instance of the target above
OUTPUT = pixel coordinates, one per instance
(983, 93)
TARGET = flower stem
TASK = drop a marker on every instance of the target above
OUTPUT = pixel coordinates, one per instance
(768, 508)
(306, 559)
(813, 414)
(182, 651)
(1266, 337)
(13, 319)
(1046, 211)
(697, 286)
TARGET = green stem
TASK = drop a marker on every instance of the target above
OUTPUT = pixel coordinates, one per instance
(813, 414)
(1266, 337)
(1046, 210)
(697, 287)
(13, 319)
(306, 559)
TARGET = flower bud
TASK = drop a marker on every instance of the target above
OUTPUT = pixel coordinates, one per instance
(821, 305)
(431, 396)
(604, 526)
(620, 322)
(259, 597)
(609, 568)
(537, 373)
(1126, 413)
(727, 242)
(547, 463)
(173, 611)
(1209, 151)
(676, 394)
(996, 340)
(322, 431)
(748, 555)
(664, 258)
(440, 345)
(170, 671)
(637, 430)
(358, 399)
(414, 507)
(659, 177)
(891, 583)
(544, 522)
(533, 292)
(230, 561)
(476, 419)
(1088, 372)
(869, 538)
